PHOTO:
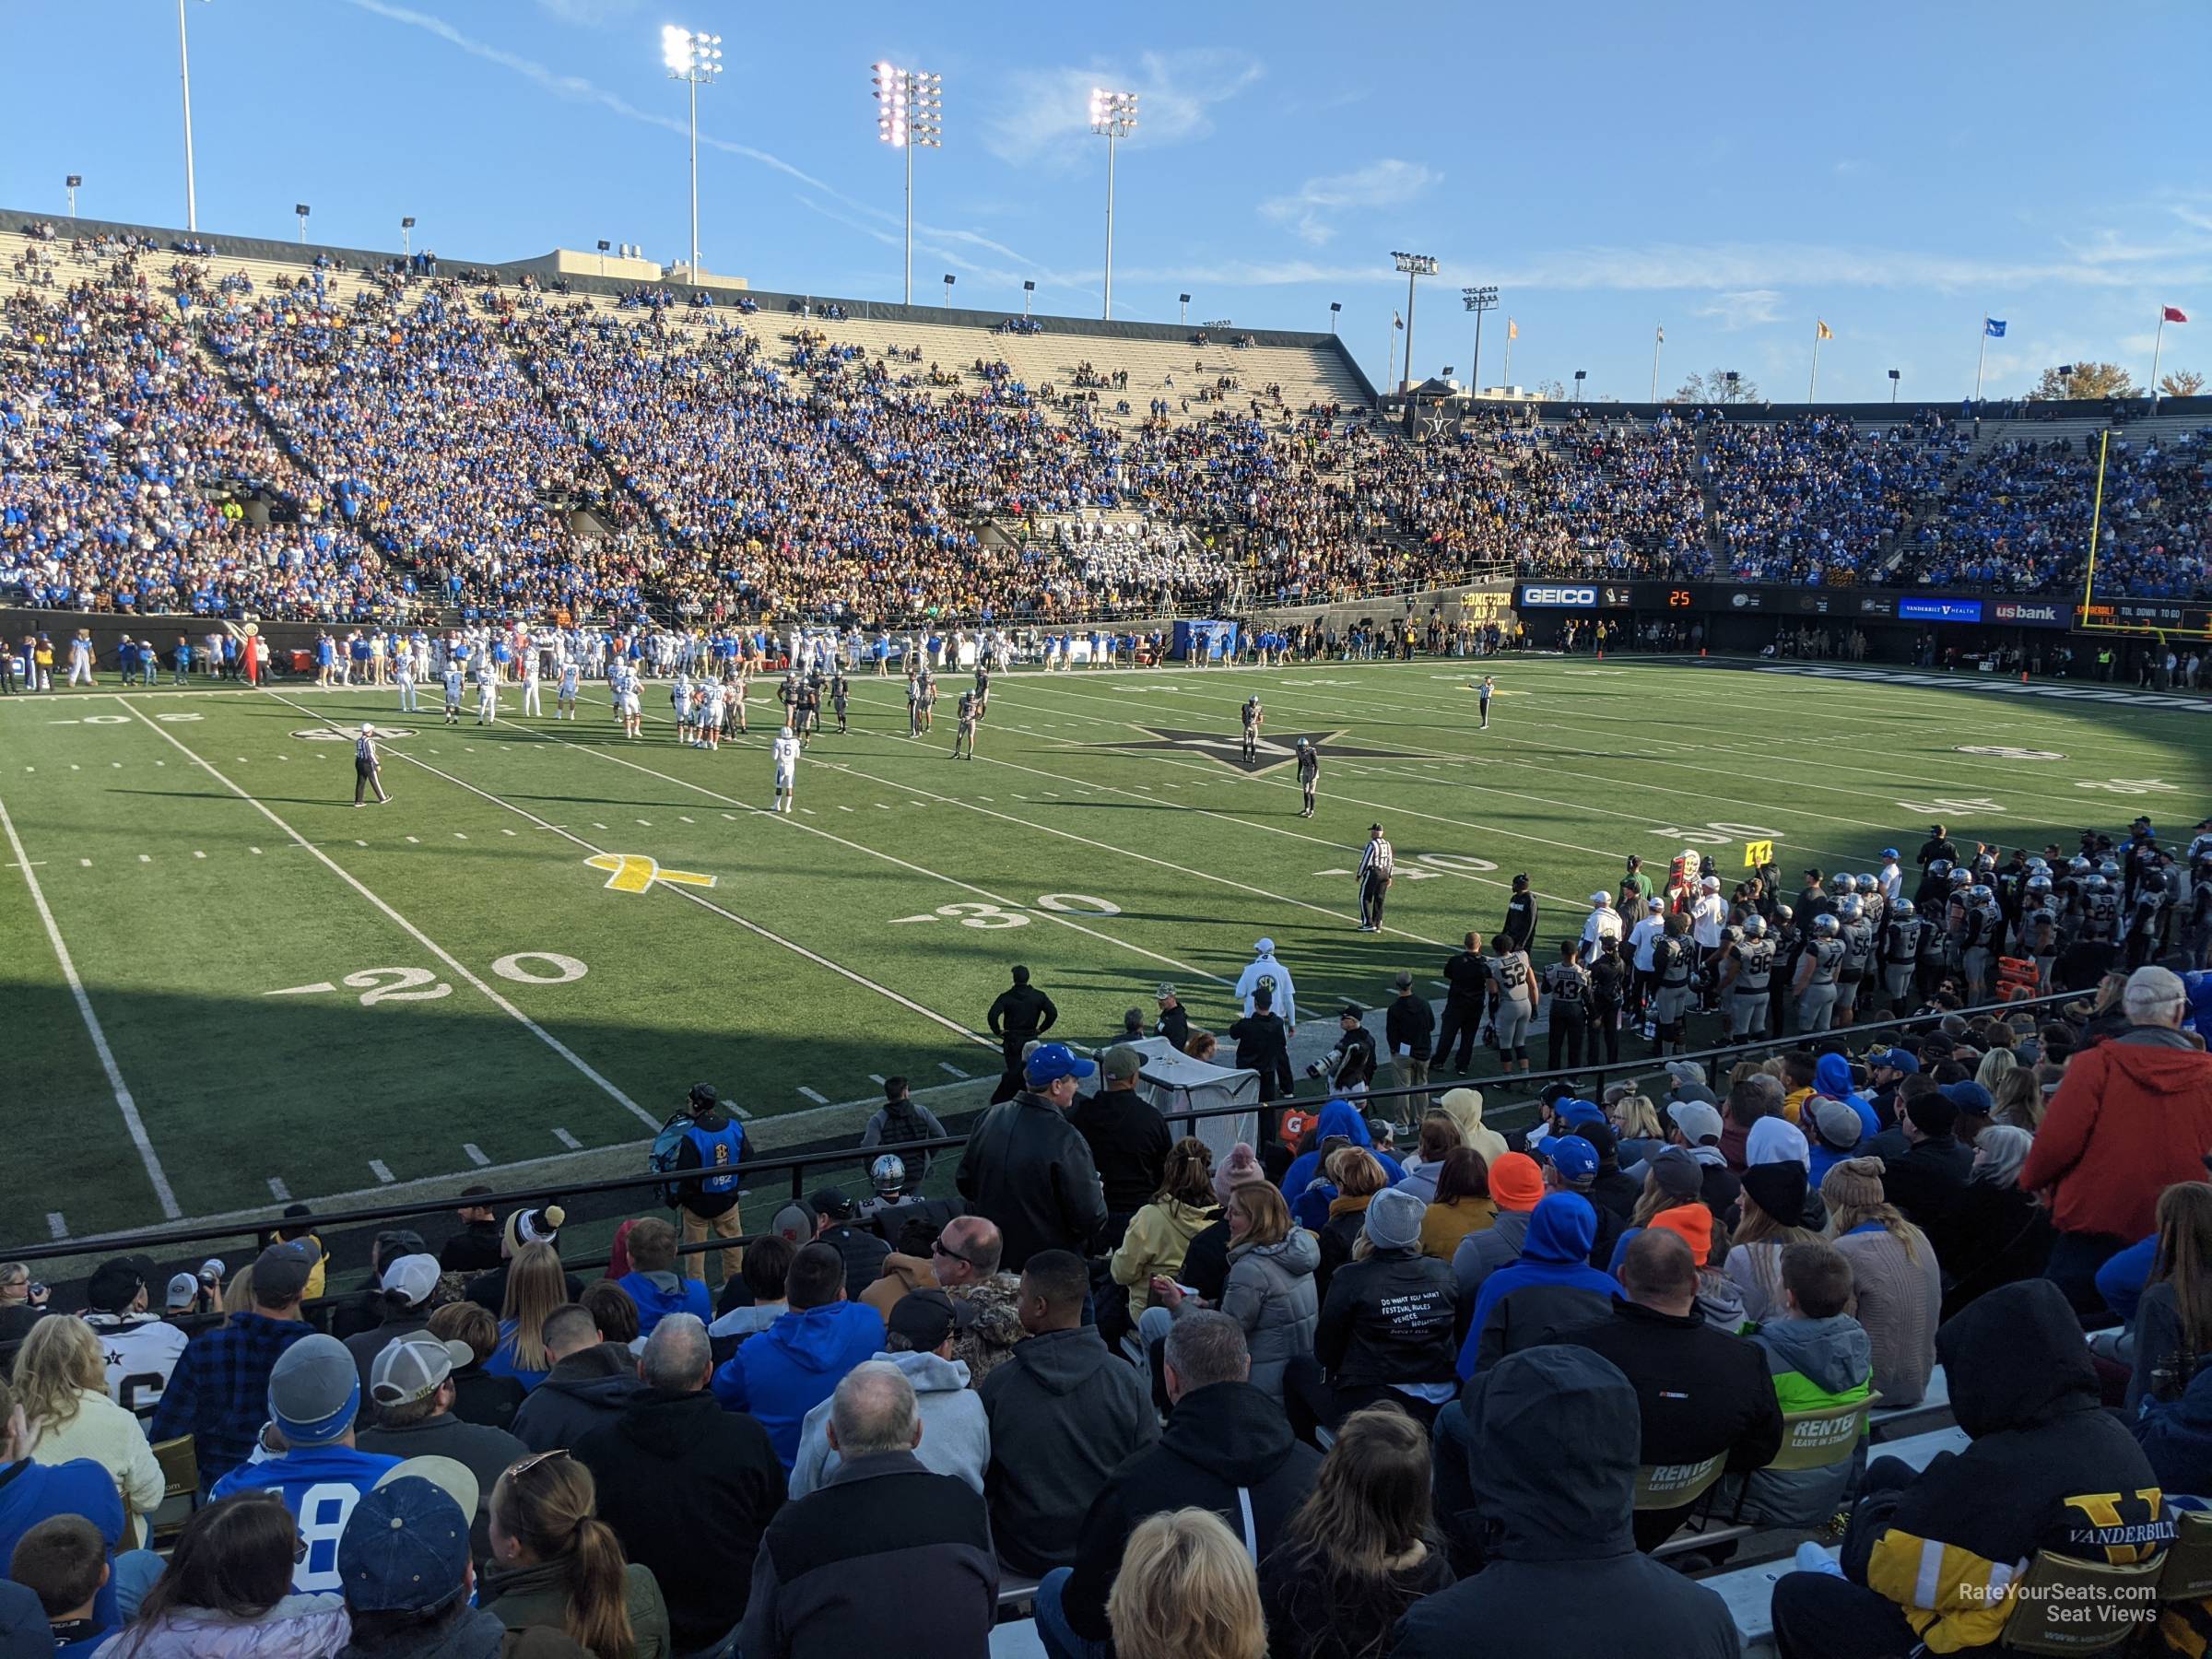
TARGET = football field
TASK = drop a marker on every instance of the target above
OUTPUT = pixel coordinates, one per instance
(226, 987)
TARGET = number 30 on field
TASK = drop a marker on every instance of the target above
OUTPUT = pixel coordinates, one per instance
(968, 912)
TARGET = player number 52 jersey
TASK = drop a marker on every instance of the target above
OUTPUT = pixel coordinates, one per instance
(786, 752)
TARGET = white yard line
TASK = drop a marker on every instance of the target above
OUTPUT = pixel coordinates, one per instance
(163, 1192)
(429, 943)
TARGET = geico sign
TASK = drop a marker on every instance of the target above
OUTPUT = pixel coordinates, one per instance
(1559, 595)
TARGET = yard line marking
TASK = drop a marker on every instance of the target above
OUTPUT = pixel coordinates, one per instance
(840, 808)
(361, 843)
(196, 853)
(807, 810)
(948, 1065)
(506, 831)
(146, 858)
(57, 1224)
(416, 840)
(568, 1140)
(452, 962)
(377, 1169)
(475, 1154)
(459, 836)
(279, 1191)
(129, 1108)
(255, 850)
(598, 825)
(84, 864)
(681, 820)
(819, 1100)
(647, 822)
(874, 1077)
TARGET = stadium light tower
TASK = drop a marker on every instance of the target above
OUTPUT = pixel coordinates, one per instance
(691, 58)
(949, 280)
(1894, 377)
(192, 199)
(1414, 265)
(1028, 289)
(1477, 299)
(72, 180)
(910, 115)
(302, 209)
(1182, 309)
(1113, 115)
(1335, 308)
(406, 237)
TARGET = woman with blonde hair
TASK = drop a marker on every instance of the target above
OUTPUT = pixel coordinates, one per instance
(556, 1563)
(1362, 1547)
(536, 1286)
(1186, 1590)
(60, 1381)
(1159, 1234)
(1899, 1285)
(1358, 1175)
(238, 1295)
(1996, 1066)
(1270, 1287)
(1636, 1128)
(2017, 1099)
(1773, 1207)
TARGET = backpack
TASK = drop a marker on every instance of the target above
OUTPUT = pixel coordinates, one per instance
(666, 1144)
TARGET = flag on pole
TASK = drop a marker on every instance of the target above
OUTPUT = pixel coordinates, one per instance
(1824, 332)
(1662, 335)
(1993, 327)
(2173, 313)
(1512, 329)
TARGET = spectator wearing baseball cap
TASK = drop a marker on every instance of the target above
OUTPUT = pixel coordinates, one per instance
(184, 1295)
(1886, 1069)
(403, 1293)
(1516, 1186)
(1571, 1165)
(1833, 1132)
(314, 1394)
(863, 1251)
(956, 1431)
(1128, 1140)
(1028, 1170)
(413, 1388)
(217, 1393)
(476, 1248)
(1686, 1081)
(138, 1347)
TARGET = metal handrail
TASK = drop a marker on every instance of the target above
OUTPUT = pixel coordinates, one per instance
(796, 1165)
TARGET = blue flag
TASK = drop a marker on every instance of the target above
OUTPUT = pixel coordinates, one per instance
(1993, 327)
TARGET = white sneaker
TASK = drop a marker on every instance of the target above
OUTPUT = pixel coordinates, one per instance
(1811, 1557)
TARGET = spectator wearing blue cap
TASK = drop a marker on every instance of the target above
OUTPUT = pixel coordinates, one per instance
(1571, 1165)
(1028, 1170)
(314, 1393)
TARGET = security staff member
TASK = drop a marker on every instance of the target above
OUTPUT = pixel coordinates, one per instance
(711, 1141)
(1520, 915)
(1264, 1046)
(1021, 1013)
(1468, 984)
(1376, 863)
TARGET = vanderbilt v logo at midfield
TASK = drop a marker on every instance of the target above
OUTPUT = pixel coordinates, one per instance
(1277, 749)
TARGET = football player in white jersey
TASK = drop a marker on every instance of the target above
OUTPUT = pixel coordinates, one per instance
(626, 701)
(452, 678)
(706, 706)
(487, 690)
(680, 698)
(402, 674)
(564, 699)
(786, 752)
(529, 666)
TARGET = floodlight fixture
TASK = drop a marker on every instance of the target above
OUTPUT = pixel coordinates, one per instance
(910, 115)
(695, 59)
(1113, 117)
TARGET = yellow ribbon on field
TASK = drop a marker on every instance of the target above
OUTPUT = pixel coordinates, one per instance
(635, 873)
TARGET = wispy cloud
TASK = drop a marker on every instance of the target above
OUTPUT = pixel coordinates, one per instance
(1745, 308)
(1045, 114)
(590, 14)
(1849, 166)
(1311, 208)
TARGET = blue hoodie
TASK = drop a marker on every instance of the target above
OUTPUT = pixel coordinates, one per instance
(656, 1300)
(1832, 1076)
(32, 1492)
(794, 1365)
(1337, 1118)
(1556, 1251)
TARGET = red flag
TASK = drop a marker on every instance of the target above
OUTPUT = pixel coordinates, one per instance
(2173, 314)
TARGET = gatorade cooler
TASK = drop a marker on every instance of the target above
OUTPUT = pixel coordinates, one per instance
(2017, 979)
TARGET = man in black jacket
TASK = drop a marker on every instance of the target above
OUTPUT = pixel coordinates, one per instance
(1927, 1180)
(1520, 914)
(1021, 1013)
(1698, 1391)
(1408, 1027)
(884, 1548)
(861, 1249)
(1350, 1065)
(1388, 1330)
(1027, 1169)
(1225, 1441)
(1468, 977)
(1264, 1045)
(688, 1487)
(592, 1382)
(476, 1248)
(1550, 1470)
(1174, 1022)
(1128, 1140)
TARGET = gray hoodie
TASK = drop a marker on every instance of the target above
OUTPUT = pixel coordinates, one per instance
(956, 1432)
(1482, 1253)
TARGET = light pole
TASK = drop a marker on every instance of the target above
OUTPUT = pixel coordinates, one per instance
(691, 58)
(1335, 308)
(301, 209)
(1580, 376)
(1112, 114)
(72, 180)
(948, 282)
(406, 238)
(1893, 380)
(192, 199)
(1414, 265)
(604, 246)
(1477, 299)
(1183, 310)
(1029, 291)
(910, 115)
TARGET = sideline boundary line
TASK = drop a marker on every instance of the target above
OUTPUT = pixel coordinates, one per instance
(124, 1101)
(459, 967)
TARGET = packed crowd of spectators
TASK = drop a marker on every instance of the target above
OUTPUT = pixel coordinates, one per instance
(1817, 501)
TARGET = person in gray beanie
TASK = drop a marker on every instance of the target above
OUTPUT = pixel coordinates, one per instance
(1388, 1329)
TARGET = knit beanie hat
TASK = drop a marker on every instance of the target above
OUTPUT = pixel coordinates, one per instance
(1517, 1184)
(1855, 1183)
(1394, 1219)
(1777, 1189)
(534, 1226)
(1241, 1165)
(1693, 1224)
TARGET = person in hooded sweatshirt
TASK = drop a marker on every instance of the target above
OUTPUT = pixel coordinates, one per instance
(1930, 1555)
(1547, 1478)
(794, 1365)
(1306, 1183)
(1820, 1360)
(1550, 1286)
(592, 1382)
(652, 1282)
(1388, 1324)
(956, 1437)
(1064, 1412)
(1464, 1106)
(1225, 1443)
(1516, 1187)
(1832, 1080)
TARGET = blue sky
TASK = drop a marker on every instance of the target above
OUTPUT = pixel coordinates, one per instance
(1729, 171)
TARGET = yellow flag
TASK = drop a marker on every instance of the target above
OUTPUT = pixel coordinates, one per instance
(1512, 329)
(1826, 332)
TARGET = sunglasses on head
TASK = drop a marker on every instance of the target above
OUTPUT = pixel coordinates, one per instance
(515, 1471)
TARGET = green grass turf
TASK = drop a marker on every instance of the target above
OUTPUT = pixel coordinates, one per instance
(807, 966)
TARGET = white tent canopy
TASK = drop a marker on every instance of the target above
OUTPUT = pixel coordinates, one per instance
(1175, 1083)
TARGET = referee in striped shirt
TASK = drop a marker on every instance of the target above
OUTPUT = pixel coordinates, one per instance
(1376, 864)
(367, 771)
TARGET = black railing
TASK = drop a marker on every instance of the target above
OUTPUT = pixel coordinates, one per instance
(796, 1165)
